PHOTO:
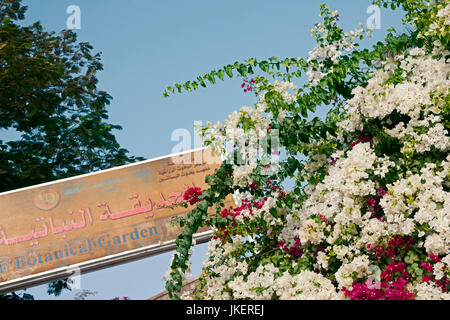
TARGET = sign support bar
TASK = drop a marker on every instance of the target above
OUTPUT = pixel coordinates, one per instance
(97, 264)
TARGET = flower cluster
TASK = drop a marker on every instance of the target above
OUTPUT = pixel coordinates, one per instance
(249, 134)
(440, 25)
(247, 85)
(392, 286)
(331, 45)
(263, 283)
(410, 110)
(369, 214)
(192, 195)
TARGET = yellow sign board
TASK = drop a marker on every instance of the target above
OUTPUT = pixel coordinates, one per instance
(95, 216)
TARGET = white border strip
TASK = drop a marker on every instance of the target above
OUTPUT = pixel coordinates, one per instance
(96, 264)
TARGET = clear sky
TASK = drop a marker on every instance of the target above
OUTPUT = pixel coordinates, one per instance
(148, 45)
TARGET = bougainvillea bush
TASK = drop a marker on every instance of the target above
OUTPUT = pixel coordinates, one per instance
(367, 215)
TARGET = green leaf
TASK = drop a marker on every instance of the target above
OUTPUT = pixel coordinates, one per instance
(242, 70)
(202, 83)
(229, 70)
(251, 61)
(211, 78)
(264, 65)
(303, 111)
(186, 86)
(289, 201)
(273, 212)
(220, 74)
(203, 205)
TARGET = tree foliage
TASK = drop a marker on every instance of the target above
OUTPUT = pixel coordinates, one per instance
(49, 97)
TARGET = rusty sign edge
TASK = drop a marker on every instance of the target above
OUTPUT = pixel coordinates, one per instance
(101, 171)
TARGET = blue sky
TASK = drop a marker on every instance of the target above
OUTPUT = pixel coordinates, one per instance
(148, 45)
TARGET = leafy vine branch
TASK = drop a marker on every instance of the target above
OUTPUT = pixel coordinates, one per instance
(371, 179)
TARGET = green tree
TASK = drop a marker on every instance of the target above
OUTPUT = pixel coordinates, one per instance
(49, 96)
